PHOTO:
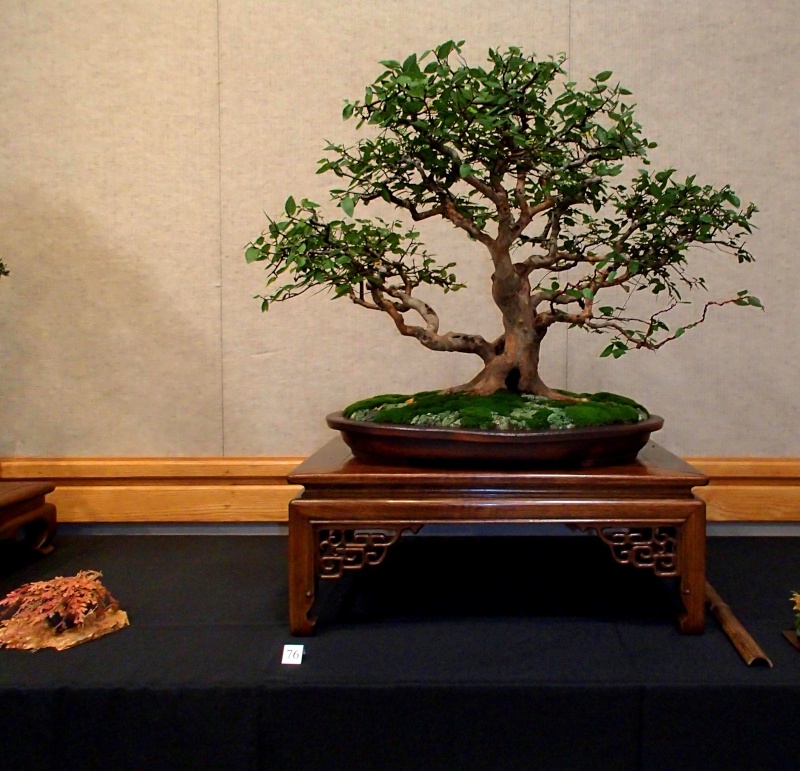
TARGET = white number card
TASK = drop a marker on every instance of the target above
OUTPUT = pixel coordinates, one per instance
(292, 654)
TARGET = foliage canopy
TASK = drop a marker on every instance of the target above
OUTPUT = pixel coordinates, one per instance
(533, 168)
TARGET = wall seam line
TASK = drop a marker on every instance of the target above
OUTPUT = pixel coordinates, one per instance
(220, 227)
(569, 77)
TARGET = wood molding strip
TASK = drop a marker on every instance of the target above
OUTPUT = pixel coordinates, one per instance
(95, 490)
(743, 469)
(269, 470)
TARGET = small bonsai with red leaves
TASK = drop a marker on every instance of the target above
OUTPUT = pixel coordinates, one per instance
(40, 611)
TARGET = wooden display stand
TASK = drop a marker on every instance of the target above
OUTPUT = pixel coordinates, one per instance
(23, 510)
(351, 512)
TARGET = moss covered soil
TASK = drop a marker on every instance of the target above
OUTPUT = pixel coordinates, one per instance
(503, 410)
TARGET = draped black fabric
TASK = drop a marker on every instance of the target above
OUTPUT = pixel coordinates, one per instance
(481, 652)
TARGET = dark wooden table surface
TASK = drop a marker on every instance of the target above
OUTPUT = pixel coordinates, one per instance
(351, 512)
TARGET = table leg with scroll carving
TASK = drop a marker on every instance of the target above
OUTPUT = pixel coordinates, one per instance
(302, 573)
(355, 545)
(692, 562)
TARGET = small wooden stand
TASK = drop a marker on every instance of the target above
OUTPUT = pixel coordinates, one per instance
(351, 512)
(23, 510)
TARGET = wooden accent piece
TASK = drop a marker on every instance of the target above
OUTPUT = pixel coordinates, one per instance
(791, 636)
(745, 645)
(349, 498)
(23, 510)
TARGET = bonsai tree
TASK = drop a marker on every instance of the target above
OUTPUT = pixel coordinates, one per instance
(536, 170)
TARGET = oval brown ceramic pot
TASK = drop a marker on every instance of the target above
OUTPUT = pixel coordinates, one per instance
(430, 445)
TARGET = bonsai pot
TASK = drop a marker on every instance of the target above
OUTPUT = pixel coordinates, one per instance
(425, 445)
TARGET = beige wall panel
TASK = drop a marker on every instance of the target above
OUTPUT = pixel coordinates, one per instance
(135, 164)
(286, 72)
(109, 222)
(716, 84)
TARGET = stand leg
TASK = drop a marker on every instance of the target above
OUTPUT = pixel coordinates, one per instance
(43, 543)
(302, 574)
(692, 562)
(34, 520)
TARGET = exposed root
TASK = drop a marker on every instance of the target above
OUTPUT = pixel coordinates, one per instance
(498, 378)
(556, 396)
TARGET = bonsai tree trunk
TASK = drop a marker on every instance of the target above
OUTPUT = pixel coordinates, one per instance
(515, 365)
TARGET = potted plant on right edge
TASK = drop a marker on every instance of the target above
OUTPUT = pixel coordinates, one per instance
(538, 172)
(793, 634)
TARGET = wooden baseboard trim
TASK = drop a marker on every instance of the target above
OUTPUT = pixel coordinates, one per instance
(149, 490)
(751, 489)
(162, 489)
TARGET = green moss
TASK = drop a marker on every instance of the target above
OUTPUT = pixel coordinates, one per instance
(373, 402)
(502, 410)
(601, 413)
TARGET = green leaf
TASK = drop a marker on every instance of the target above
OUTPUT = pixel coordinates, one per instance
(443, 51)
(603, 76)
(606, 310)
(290, 206)
(633, 267)
(755, 302)
(465, 170)
(252, 254)
(588, 293)
(348, 206)
(348, 111)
